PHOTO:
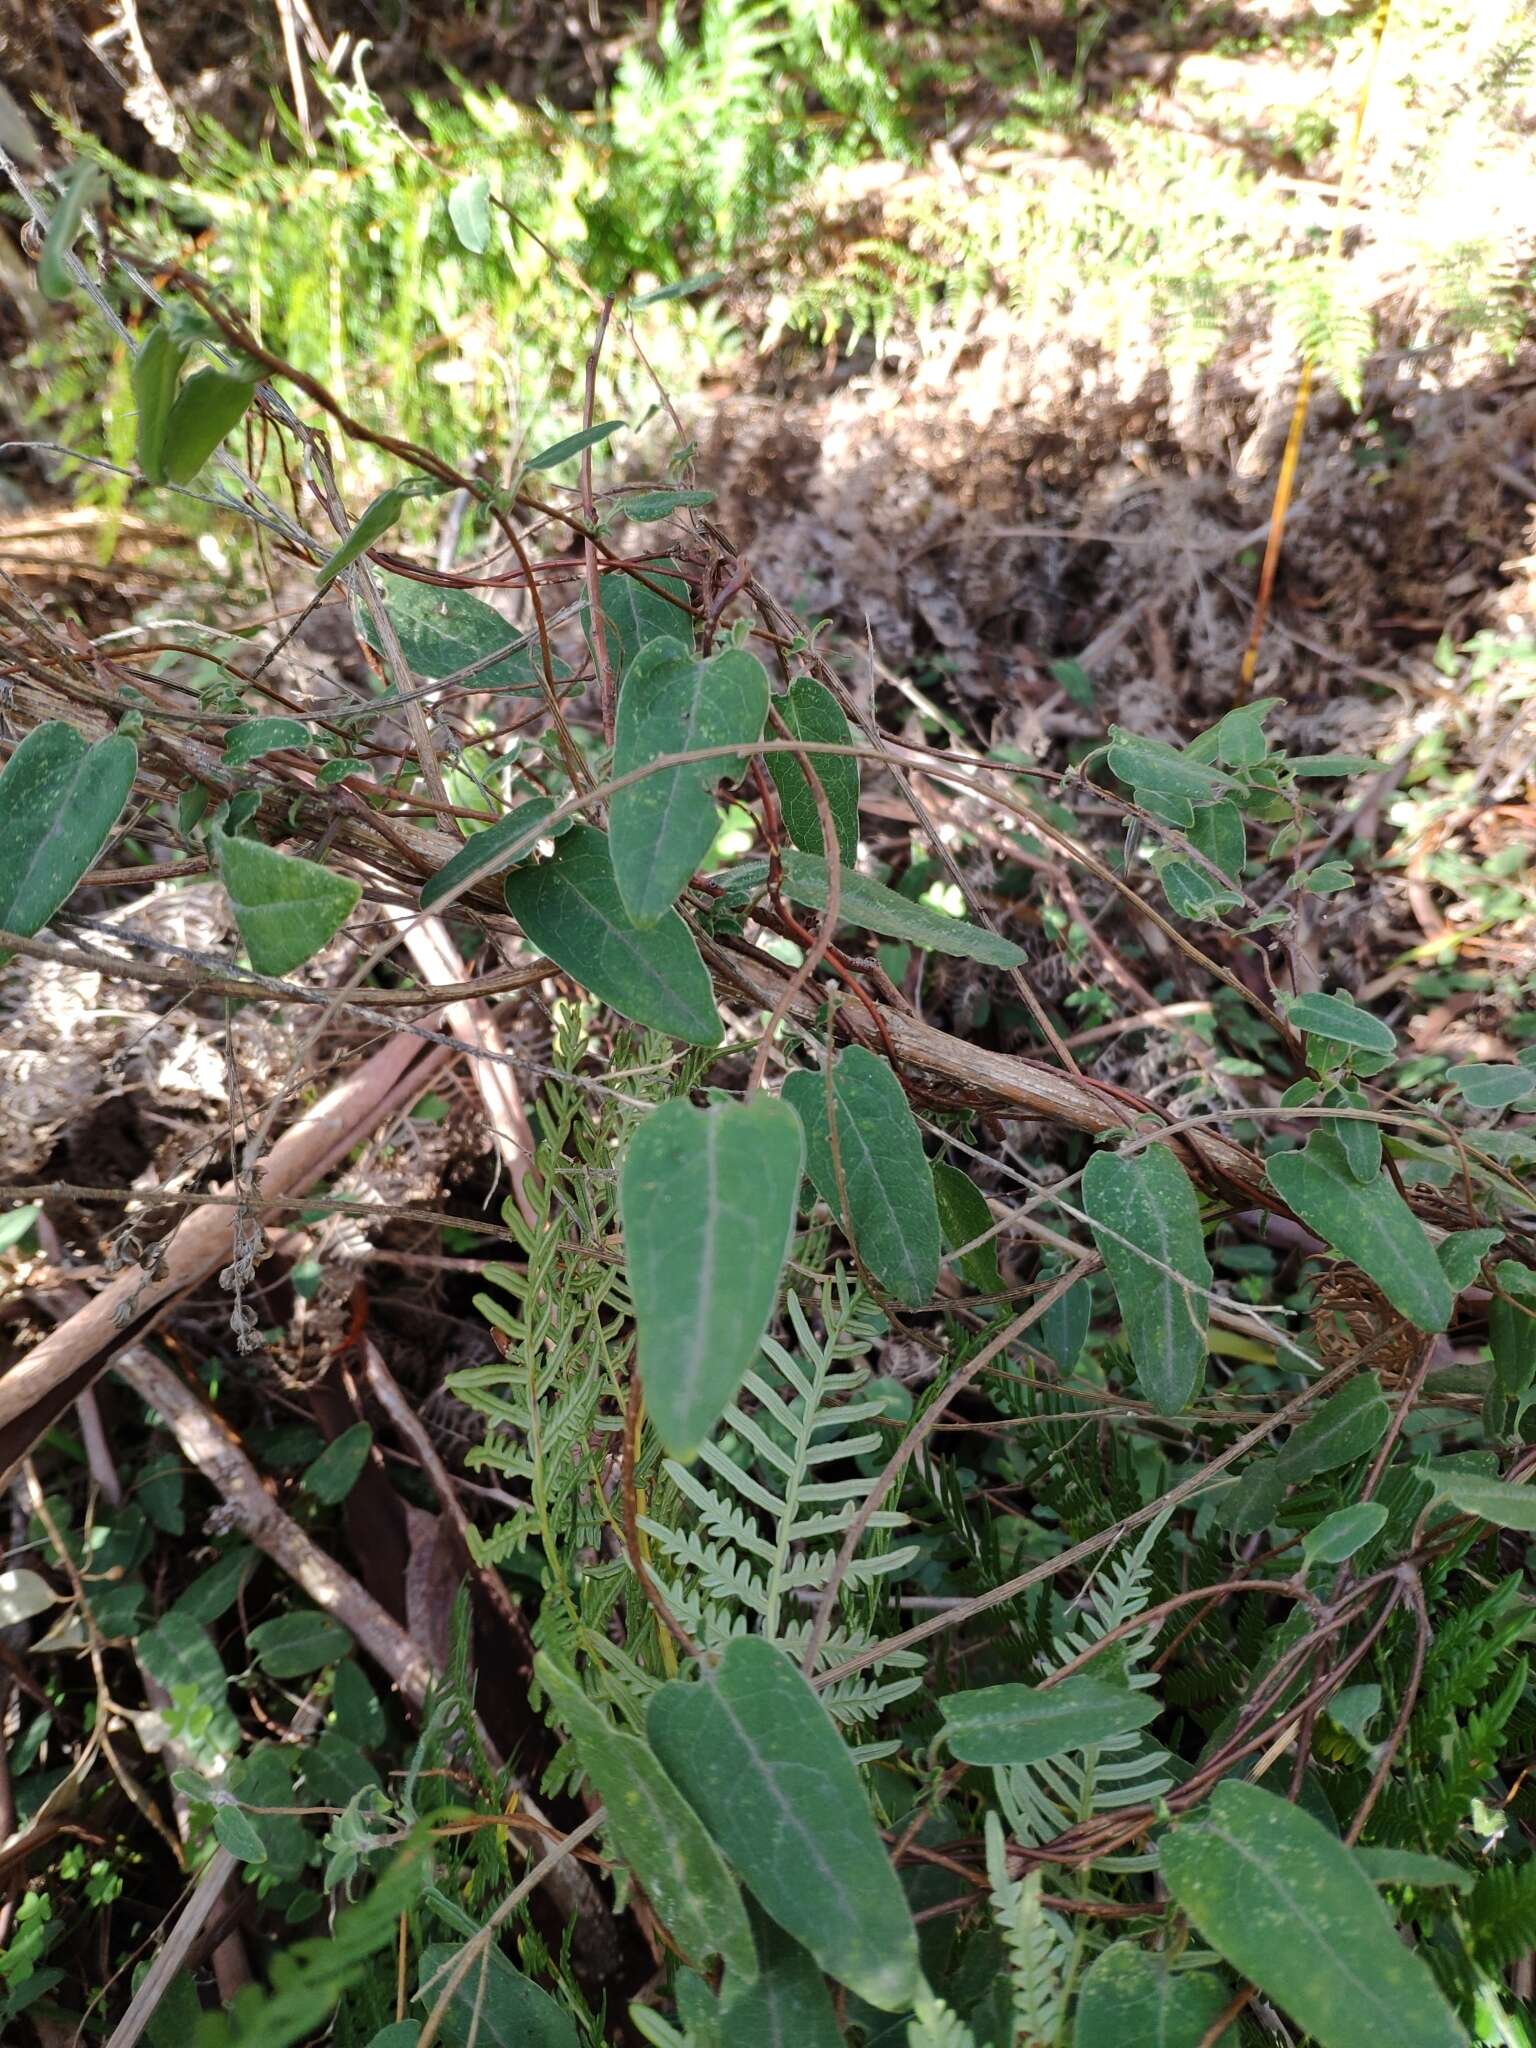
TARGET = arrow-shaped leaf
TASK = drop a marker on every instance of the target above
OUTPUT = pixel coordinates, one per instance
(1146, 1223)
(1371, 1226)
(661, 827)
(571, 909)
(286, 908)
(759, 1760)
(707, 1198)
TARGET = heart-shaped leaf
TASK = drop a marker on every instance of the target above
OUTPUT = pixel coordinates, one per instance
(286, 908)
(208, 406)
(1146, 1223)
(1371, 1226)
(571, 909)
(661, 827)
(253, 737)
(59, 801)
(892, 1214)
(469, 211)
(759, 1760)
(635, 613)
(1027, 1724)
(811, 712)
(657, 1832)
(1286, 1904)
(1348, 1425)
(707, 1198)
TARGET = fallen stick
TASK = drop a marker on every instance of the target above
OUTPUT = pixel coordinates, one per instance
(39, 1387)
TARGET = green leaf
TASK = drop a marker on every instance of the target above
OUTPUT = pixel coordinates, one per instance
(681, 288)
(1409, 1867)
(155, 374)
(1027, 1724)
(1288, 1906)
(375, 522)
(15, 1223)
(23, 1594)
(806, 880)
(510, 840)
(1218, 833)
(963, 1216)
(294, 1644)
(663, 826)
(398, 2034)
(213, 1592)
(707, 1198)
(1340, 1022)
(1506, 1506)
(757, 1757)
(570, 908)
(253, 737)
(562, 451)
(85, 181)
(1142, 1208)
(286, 908)
(1163, 770)
(495, 2006)
(789, 2006)
(236, 1834)
(1512, 1328)
(181, 1656)
(657, 1833)
(1461, 1255)
(634, 614)
(339, 1466)
(1485, 1086)
(1371, 1226)
(211, 404)
(1348, 1425)
(1341, 1534)
(811, 712)
(469, 211)
(59, 802)
(649, 506)
(892, 1212)
(355, 1704)
(1130, 1998)
(442, 630)
(1063, 1329)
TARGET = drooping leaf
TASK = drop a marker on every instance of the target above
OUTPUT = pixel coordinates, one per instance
(757, 1757)
(662, 827)
(442, 630)
(253, 737)
(1461, 1254)
(494, 2005)
(1063, 1329)
(964, 1216)
(339, 1466)
(1287, 1905)
(469, 212)
(1342, 1533)
(211, 404)
(1130, 1998)
(85, 181)
(1145, 1218)
(156, 373)
(892, 1212)
(1372, 1227)
(657, 1833)
(635, 613)
(511, 839)
(59, 802)
(707, 1198)
(1027, 1724)
(562, 451)
(1348, 1425)
(1505, 1505)
(286, 908)
(571, 909)
(1340, 1022)
(864, 902)
(375, 522)
(811, 712)
(292, 1645)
